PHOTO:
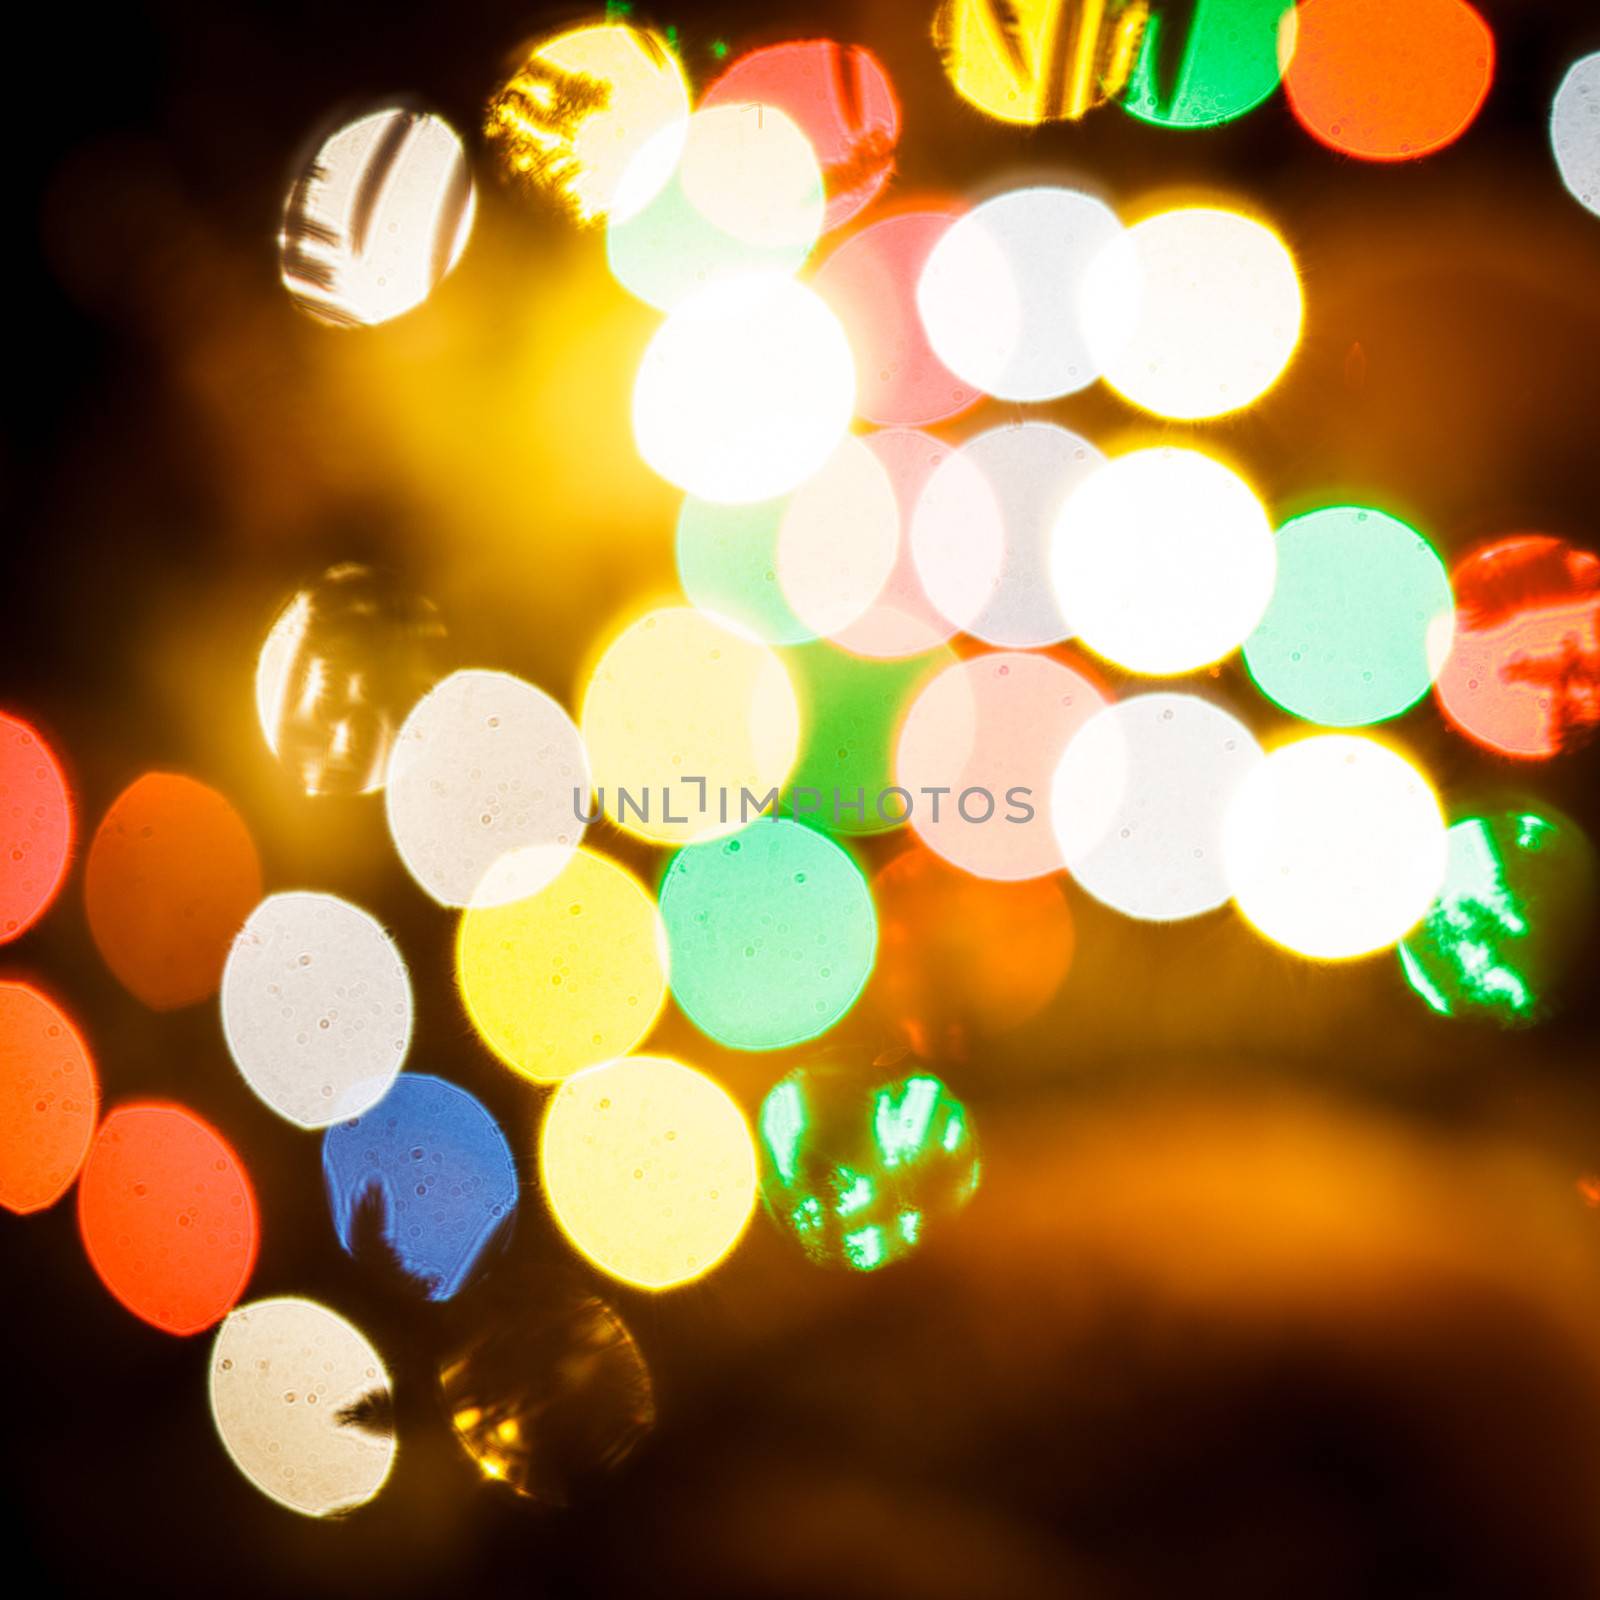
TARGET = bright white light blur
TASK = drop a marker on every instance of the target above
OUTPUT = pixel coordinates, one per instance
(1000, 295)
(485, 768)
(1163, 561)
(749, 170)
(1575, 131)
(745, 391)
(983, 528)
(1139, 802)
(302, 1404)
(316, 1007)
(1335, 847)
(1193, 313)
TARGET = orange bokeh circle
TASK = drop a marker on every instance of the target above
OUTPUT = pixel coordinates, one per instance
(49, 1095)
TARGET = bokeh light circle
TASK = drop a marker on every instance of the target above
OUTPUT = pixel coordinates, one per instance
(1194, 312)
(1227, 63)
(1360, 621)
(301, 1402)
(1001, 290)
(649, 1168)
(49, 1096)
(745, 390)
(36, 826)
(567, 977)
(488, 772)
(772, 934)
(316, 1007)
(1163, 561)
(1140, 799)
(1575, 131)
(1335, 846)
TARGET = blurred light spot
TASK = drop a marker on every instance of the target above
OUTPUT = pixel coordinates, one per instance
(842, 100)
(1035, 61)
(172, 874)
(680, 716)
(746, 197)
(1163, 561)
(1575, 131)
(567, 977)
(168, 1216)
(649, 1168)
(342, 665)
(1225, 63)
(1511, 919)
(772, 934)
(1388, 82)
(379, 213)
(316, 1007)
(1140, 799)
(959, 955)
(1335, 847)
(573, 118)
(488, 773)
(302, 1404)
(1523, 676)
(1001, 294)
(1193, 313)
(35, 826)
(851, 713)
(870, 283)
(728, 567)
(425, 1177)
(1360, 621)
(983, 529)
(548, 1394)
(745, 391)
(49, 1095)
(854, 1168)
(978, 754)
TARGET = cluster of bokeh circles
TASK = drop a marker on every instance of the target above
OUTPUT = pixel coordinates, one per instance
(912, 690)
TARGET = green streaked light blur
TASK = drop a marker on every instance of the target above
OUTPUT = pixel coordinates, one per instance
(854, 1169)
(772, 935)
(1345, 641)
(728, 566)
(1225, 65)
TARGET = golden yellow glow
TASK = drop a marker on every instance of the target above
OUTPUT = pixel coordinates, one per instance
(573, 117)
(570, 976)
(649, 1168)
(680, 715)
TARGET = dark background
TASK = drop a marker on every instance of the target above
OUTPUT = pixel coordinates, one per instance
(1277, 1281)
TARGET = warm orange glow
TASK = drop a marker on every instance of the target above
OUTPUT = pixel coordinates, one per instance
(35, 827)
(48, 1099)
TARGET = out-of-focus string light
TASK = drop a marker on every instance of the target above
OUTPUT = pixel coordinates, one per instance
(316, 1007)
(1360, 622)
(1523, 676)
(1575, 131)
(488, 774)
(1389, 83)
(342, 664)
(842, 100)
(772, 934)
(649, 1168)
(579, 109)
(681, 716)
(1139, 801)
(567, 977)
(1225, 63)
(727, 558)
(49, 1095)
(745, 390)
(36, 826)
(1037, 61)
(858, 1167)
(1335, 847)
(1509, 922)
(425, 1177)
(168, 1216)
(977, 754)
(379, 213)
(1163, 561)
(1192, 313)
(171, 876)
(302, 1404)
(984, 526)
(1002, 293)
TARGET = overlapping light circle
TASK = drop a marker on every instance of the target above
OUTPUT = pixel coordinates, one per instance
(1228, 62)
